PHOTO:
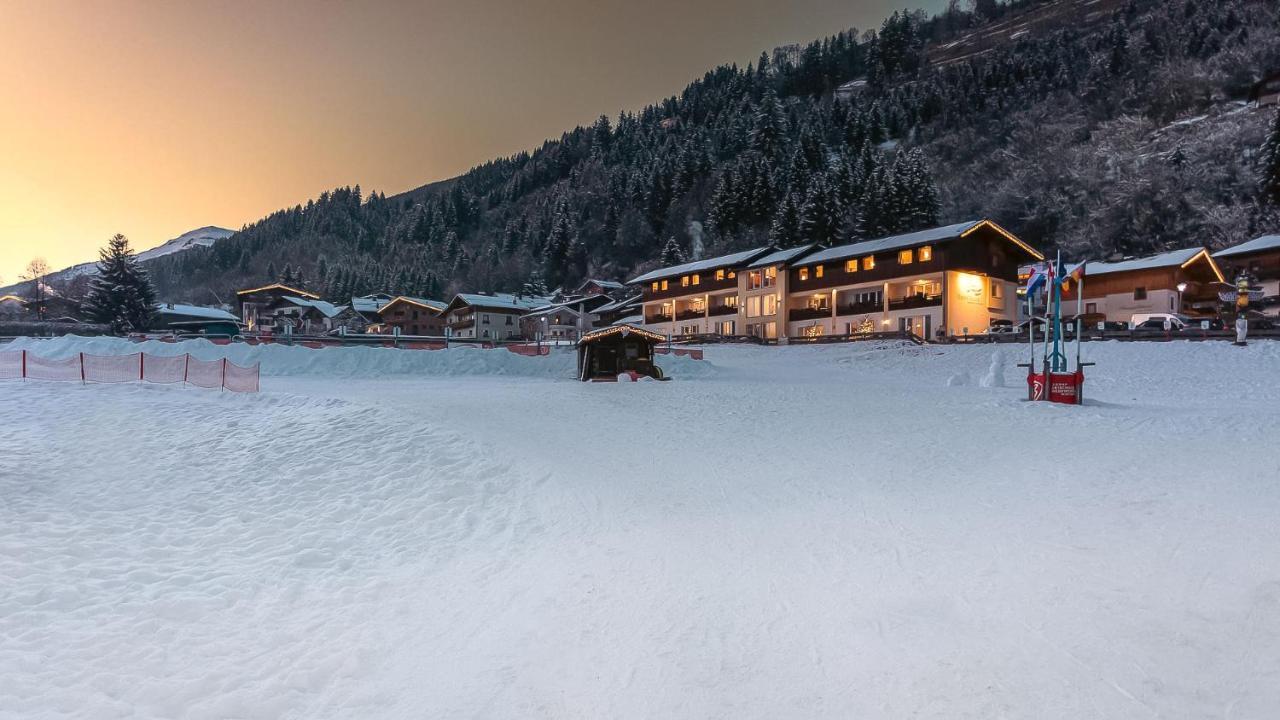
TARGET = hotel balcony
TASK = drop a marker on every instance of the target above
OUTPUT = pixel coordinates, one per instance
(658, 317)
(723, 310)
(915, 302)
(689, 314)
(809, 313)
(862, 308)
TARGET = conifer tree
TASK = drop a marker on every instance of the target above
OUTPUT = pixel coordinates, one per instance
(672, 254)
(120, 295)
(770, 128)
(785, 229)
(821, 214)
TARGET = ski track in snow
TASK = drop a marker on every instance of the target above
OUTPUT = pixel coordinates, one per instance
(781, 532)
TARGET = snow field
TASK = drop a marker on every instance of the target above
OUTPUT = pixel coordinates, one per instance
(806, 532)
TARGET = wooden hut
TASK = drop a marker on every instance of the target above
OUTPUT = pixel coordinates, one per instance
(609, 352)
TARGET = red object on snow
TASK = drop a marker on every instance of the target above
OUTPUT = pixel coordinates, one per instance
(1063, 388)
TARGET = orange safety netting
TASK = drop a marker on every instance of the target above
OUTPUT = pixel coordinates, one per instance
(138, 367)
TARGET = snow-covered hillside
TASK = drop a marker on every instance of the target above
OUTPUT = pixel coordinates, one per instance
(867, 530)
(200, 237)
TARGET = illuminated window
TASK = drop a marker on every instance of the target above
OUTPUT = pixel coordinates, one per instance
(684, 281)
(769, 305)
(732, 274)
(664, 284)
(804, 274)
(926, 253)
(869, 262)
(719, 275)
(817, 271)
(655, 286)
(731, 301)
(753, 306)
(770, 277)
(697, 279)
(904, 257)
(851, 266)
(754, 280)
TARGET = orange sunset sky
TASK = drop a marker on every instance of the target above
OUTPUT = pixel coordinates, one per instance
(154, 118)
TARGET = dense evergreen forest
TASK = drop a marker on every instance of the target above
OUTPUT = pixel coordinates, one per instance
(1125, 136)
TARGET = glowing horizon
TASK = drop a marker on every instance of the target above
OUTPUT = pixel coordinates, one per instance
(153, 119)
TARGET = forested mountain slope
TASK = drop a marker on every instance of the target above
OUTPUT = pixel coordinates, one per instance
(1123, 134)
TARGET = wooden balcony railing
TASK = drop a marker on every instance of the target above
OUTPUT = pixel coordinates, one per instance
(913, 302)
(809, 313)
(723, 310)
(689, 314)
(859, 308)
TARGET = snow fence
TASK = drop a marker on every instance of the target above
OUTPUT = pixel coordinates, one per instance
(278, 360)
(135, 367)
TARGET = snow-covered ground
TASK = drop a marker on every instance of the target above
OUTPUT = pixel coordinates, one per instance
(869, 531)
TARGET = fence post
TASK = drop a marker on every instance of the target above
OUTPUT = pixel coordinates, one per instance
(186, 364)
(224, 374)
(24, 364)
(142, 367)
(82, 368)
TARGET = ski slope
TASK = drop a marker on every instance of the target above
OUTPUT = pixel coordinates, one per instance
(870, 530)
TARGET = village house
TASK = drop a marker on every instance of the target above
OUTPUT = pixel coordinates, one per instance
(488, 317)
(684, 299)
(303, 315)
(593, 286)
(567, 320)
(367, 307)
(257, 305)
(626, 310)
(1182, 281)
(412, 316)
(1260, 260)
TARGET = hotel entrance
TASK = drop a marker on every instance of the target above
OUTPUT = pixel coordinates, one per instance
(920, 326)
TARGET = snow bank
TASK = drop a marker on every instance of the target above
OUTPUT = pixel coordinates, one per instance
(285, 360)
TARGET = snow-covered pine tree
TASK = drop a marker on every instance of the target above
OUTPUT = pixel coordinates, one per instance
(785, 229)
(272, 275)
(672, 253)
(821, 215)
(769, 131)
(1269, 171)
(120, 295)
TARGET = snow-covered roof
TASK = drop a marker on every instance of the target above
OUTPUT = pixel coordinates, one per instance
(620, 304)
(369, 303)
(631, 320)
(325, 308)
(195, 311)
(435, 305)
(1164, 259)
(502, 301)
(783, 256)
(730, 260)
(279, 286)
(895, 242)
(1266, 242)
(610, 284)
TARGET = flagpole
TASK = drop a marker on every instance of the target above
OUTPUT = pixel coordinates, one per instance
(1079, 312)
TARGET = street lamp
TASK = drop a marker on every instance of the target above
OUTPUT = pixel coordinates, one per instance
(1182, 287)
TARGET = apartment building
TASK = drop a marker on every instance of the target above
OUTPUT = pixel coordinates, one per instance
(695, 298)
(1177, 281)
(956, 279)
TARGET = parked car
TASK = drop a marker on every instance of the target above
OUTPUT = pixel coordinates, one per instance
(1002, 327)
(1142, 320)
(1197, 325)
(1158, 324)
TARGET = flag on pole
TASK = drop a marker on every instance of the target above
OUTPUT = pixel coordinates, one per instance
(1076, 274)
(1038, 277)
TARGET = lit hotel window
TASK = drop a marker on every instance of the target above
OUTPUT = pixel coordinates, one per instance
(697, 279)
(719, 275)
(926, 253)
(664, 284)
(904, 257)
(869, 262)
(851, 266)
(817, 271)
(684, 281)
(655, 286)
(804, 274)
